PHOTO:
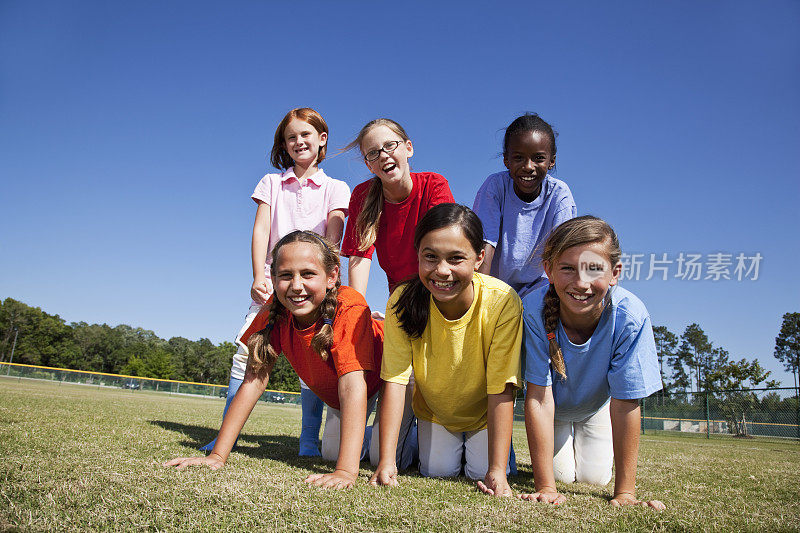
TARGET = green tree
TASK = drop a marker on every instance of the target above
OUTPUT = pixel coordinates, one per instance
(787, 344)
(158, 364)
(134, 367)
(666, 343)
(693, 355)
(731, 383)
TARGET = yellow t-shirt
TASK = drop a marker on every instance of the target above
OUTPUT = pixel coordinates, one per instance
(458, 363)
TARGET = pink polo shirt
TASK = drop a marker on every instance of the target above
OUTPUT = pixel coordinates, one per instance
(299, 206)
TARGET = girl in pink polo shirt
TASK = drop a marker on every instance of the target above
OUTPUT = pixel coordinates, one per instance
(301, 197)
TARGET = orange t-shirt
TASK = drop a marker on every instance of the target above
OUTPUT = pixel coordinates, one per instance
(357, 345)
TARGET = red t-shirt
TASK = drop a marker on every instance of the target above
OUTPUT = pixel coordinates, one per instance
(395, 241)
(357, 345)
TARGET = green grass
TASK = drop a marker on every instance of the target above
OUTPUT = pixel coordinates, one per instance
(77, 457)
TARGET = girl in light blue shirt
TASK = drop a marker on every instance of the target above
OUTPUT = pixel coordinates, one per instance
(590, 356)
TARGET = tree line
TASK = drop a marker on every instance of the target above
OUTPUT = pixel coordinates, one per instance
(689, 361)
(47, 340)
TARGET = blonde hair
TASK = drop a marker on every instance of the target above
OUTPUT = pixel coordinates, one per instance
(279, 157)
(370, 216)
(261, 351)
(574, 232)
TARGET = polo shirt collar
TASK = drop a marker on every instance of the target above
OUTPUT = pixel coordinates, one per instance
(317, 178)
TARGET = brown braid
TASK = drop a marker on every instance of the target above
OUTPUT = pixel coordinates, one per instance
(323, 340)
(550, 315)
(258, 345)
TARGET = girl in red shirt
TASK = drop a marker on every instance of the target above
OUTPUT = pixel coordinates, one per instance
(384, 210)
(328, 335)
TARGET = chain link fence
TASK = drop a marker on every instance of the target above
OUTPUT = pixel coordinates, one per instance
(740, 413)
(133, 383)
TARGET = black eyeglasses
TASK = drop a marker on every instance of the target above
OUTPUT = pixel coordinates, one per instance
(388, 147)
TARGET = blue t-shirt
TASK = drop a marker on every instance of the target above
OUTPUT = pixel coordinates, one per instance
(515, 228)
(618, 361)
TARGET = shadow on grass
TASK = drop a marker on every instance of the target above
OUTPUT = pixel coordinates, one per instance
(276, 447)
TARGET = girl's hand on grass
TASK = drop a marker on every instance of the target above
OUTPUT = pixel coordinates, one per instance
(338, 479)
(495, 484)
(213, 461)
(629, 499)
(385, 475)
(261, 290)
(545, 496)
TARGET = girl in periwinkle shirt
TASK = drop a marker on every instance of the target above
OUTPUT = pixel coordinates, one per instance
(521, 206)
(589, 353)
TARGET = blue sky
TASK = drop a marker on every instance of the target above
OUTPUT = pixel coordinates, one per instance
(132, 135)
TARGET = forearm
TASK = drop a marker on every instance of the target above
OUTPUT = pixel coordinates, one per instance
(625, 427)
(358, 273)
(486, 266)
(353, 403)
(260, 241)
(390, 416)
(334, 228)
(246, 397)
(539, 414)
(500, 424)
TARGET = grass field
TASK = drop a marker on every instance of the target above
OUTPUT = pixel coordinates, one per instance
(77, 457)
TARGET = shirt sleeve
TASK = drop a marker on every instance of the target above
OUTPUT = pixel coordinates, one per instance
(488, 206)
(503, 359)
(566, 209)
(263, 191)
(397, 350)
(350, 240)
(535, 346)
(340, 197)
(353, 341)
(440, 192)
(634, 365)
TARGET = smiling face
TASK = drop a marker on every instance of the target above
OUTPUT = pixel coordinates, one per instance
(582, 276)
(447, 262)
(302, 142)
(391, 168)
(301, 282)
(528, 158)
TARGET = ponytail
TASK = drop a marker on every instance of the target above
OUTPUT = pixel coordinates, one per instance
(370, 215)
(413, 307)
(550, 314)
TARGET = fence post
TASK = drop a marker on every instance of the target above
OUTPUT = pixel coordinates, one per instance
(708, 419)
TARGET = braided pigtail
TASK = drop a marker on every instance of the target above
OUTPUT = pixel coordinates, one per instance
(551, 313)
(323, 340)
(258, 345)
(370, 215)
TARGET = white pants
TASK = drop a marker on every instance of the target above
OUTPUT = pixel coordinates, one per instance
(239, 364)
(332, 433)
(441, 451)
(584, 451)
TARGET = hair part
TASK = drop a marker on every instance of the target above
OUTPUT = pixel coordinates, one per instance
(259, 347)
(279, 157)
(529, 122)
(370, 216)
(586, 229)
(413, 306)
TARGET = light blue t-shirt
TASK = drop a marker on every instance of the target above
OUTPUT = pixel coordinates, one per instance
(515, 228)
(618, 361)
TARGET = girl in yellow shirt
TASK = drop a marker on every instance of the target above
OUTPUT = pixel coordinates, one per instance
(460, 332)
